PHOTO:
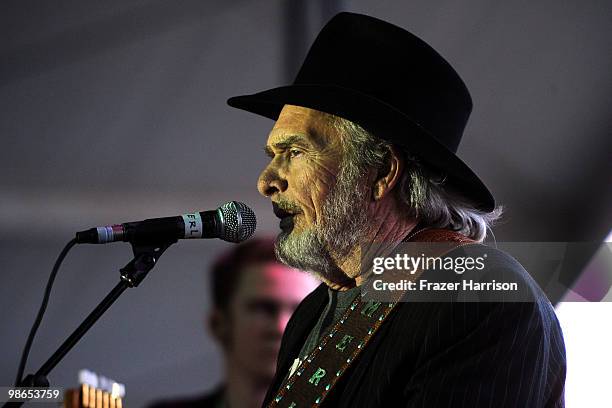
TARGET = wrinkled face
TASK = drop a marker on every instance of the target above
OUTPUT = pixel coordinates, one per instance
(305, 153)
(321, 205)
(265, 299)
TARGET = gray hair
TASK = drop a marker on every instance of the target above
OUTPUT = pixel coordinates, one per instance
(422, 191)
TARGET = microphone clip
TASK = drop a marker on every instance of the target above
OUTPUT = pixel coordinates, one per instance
(145, 258)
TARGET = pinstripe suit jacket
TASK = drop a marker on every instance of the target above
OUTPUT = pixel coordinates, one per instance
(448, 354)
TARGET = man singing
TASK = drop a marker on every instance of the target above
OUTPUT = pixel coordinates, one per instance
(362, 153)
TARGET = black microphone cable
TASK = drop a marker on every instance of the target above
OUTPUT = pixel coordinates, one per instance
(233, 221)
(41, 311)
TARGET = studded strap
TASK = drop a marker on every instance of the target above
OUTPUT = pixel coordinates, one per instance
(342, 344)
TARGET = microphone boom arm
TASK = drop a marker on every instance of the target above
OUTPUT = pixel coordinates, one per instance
(145, 258)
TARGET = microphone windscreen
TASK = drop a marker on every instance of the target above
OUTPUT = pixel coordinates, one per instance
(237, 220)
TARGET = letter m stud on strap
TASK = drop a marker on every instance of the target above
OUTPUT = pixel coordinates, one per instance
(370, 308)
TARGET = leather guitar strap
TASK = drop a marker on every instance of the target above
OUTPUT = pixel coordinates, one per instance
(342, 344)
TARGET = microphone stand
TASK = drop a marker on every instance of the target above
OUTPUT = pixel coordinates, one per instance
(145, 258)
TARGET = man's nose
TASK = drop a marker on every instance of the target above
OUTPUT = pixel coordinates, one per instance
(270, 182)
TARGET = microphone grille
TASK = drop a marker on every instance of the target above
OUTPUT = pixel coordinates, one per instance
(238, 221)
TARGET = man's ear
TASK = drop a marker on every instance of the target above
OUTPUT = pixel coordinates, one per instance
(219, 326)
(389, 175)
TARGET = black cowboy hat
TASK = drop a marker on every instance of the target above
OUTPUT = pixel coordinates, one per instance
(392, 84)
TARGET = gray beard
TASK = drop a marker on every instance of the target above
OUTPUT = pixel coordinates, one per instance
(341, 228)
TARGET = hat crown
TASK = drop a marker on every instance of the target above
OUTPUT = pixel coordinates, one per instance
(391, 83)
(386, 62)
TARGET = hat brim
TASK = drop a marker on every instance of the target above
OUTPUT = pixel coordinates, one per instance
(379, 118)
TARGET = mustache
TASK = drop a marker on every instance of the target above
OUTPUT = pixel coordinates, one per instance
(283, 208)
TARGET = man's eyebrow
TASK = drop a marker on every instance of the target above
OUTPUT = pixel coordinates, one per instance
(285, 143)
(268, 151)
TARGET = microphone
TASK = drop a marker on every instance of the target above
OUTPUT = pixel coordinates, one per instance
(233, 221)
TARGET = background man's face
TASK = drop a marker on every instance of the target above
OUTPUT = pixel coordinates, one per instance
(265, 298)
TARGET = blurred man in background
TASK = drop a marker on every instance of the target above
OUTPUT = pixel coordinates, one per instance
(253, 298)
